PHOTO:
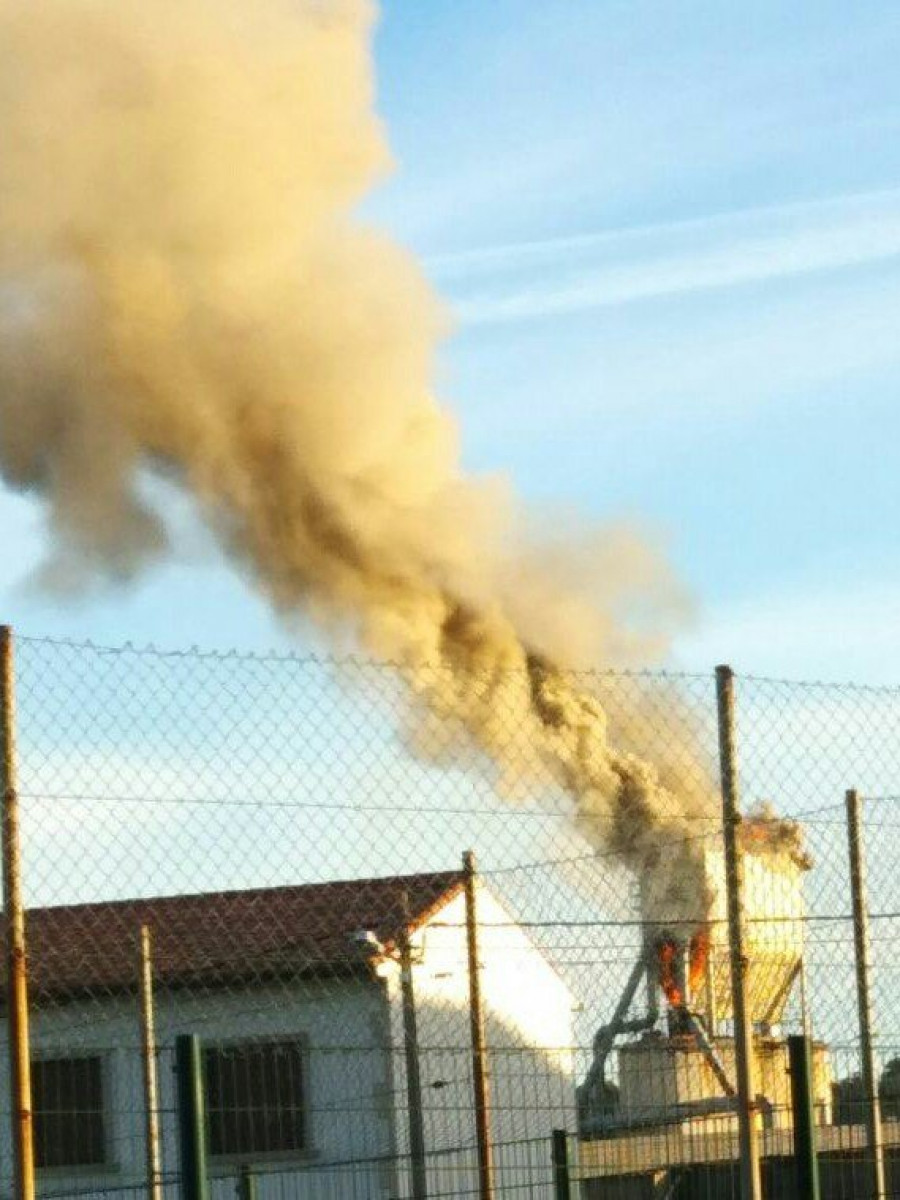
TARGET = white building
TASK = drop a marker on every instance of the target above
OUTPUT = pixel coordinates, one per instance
(296, 994)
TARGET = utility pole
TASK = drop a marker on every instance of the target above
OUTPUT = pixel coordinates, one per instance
(751, 1182)
(14, 912)
(148, 1055)
(863, 992)
(480, 1082)
(411, 1054)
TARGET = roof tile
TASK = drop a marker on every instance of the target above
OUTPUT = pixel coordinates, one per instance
(216, 938)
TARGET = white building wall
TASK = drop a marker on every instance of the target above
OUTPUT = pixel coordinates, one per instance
(528, 1020)
(355, 1083)
(348, 1085)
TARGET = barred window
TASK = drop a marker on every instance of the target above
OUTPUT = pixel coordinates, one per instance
(255, 1097)
(67, 1098)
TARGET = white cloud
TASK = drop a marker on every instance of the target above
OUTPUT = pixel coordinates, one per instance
(572, 274)
(834, 631)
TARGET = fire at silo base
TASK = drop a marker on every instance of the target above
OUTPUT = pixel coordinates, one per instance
(674, 1063)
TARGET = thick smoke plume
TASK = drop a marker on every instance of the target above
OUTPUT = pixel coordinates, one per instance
(185, 289)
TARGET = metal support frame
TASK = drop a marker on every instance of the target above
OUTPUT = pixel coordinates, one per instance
(689, 1022)
(604, 1039)
(694, 1026)
(780, 998)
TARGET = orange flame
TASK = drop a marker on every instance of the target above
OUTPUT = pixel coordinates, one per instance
(699, 954)
(667, 952)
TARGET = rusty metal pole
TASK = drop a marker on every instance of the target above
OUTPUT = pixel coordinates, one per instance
(863, 993)
(148, 1058)
(480, 1078)
(14, 911)
(751, 1181)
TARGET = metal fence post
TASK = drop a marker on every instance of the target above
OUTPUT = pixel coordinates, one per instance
(480, 1082)
(562, 1189)
(246, 1185)
(863, 992)
(804, 1117)
(191, 1117)
(751, 1182)
(14, 910)
(148, 1058)
(411, 1055)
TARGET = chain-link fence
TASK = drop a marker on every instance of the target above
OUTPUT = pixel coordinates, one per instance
(277, 842)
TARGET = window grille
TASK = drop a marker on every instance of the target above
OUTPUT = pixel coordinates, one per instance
(68, 1098)
(255, 1098)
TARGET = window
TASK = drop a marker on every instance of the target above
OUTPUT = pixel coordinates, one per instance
(254, 1096)
(67, 1096)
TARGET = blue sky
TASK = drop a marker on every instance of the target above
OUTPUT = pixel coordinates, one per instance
(670, 235)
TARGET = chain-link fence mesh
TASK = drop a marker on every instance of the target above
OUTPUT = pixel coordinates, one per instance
(290, 831)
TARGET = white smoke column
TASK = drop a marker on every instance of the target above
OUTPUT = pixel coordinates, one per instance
(184, 289)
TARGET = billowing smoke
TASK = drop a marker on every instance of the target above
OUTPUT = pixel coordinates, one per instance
(186, 290)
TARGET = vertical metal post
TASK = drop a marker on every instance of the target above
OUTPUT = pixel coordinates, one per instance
(562, 1189)
(751, 1183)
(411, 1054)
(480, 1082)
(148, 1058)
(246, 1187)
(863, 992)
(191, 1117)
(14, 911)
(804, 1117)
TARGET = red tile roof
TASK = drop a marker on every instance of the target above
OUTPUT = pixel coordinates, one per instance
(225, 937)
